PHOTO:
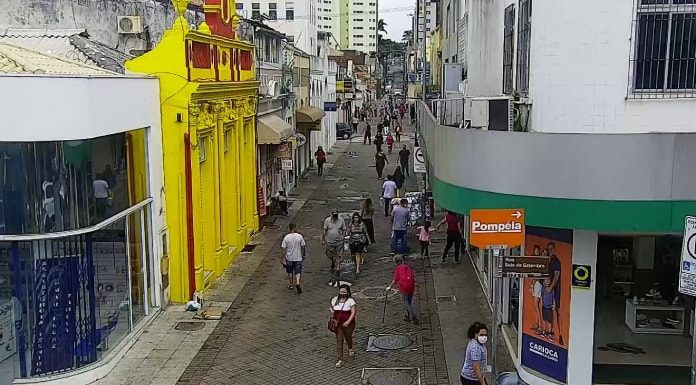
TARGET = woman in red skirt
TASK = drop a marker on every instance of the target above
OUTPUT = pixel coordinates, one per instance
(343, 309)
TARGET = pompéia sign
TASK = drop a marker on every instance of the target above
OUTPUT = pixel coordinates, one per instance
(496, 227)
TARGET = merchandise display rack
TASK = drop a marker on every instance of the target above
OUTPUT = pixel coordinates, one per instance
(654, 312)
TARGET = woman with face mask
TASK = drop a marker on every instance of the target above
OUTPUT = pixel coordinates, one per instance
(358, 241)
(343, 310)
(476, 359)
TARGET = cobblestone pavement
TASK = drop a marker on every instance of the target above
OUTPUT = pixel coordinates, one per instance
(271, 335)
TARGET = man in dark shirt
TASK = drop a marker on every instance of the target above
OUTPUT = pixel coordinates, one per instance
(404, 156)
(555, 286)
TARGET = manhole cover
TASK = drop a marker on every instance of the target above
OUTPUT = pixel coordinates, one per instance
(390, 378)
(189, 326)
(375, 292)
(392, 341)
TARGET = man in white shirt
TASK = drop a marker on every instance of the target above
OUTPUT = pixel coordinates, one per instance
(294, 252)
(101, 195)
(388, 192)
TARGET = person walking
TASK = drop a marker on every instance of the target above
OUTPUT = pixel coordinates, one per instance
(379, 140)
(380, 161)
(424, 233)
(404, 156)
(388, 193)
(344, 311)
(476, 356)
(390, 143)
(367, 139)
(367, 212)
(294, 253)
(403, 276)
(400, 219)
(332, 237)
(454, 235)
(320, 156)
(397, 133)
(358, 240)
(399, 179)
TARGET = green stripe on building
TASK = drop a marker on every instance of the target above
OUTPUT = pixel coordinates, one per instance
(600, 215)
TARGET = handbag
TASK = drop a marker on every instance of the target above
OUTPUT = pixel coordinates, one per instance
(333, 322)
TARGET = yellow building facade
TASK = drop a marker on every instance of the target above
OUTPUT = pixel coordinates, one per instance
(208, 93)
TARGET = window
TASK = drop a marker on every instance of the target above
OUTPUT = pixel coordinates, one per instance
(664, 56)
(508, 48)
(358, 44)
(255, 6)
(372, 12)
(227, 139)
(358, 28)
(239, 6)
(289, 14)
(255, 15)
(358, 12)
(356, 20)
(524, 33)
(272, 11)
(358, 3)
(372, 4)
(358, 36)
(202, 148)
(371, 36)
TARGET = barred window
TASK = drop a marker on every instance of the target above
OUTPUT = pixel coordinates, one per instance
(663, 60)
(524, 27)
(508, 48)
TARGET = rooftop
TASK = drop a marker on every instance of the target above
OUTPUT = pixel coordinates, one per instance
(18, 60)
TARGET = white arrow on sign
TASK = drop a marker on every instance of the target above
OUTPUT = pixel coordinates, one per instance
(517, 214)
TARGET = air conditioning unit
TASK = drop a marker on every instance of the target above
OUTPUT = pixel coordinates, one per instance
(129, 24)
(492, 113)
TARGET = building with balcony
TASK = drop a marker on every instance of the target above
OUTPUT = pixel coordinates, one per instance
(589, 133)
(351, 23)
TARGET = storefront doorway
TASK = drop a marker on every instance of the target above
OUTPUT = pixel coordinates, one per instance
(642, 324)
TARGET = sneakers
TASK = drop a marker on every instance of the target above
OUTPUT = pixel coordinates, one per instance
(654, 294)
(299, 289)
(644, 324)
(672, 321)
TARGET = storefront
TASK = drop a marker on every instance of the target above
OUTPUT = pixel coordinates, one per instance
(308, 120)
(274, 143)
(79, 218)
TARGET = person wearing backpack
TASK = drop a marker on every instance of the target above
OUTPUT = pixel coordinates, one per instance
(320, 156)
(403, 276)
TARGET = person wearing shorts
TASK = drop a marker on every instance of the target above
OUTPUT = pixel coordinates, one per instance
(294, 252)
(332, 237)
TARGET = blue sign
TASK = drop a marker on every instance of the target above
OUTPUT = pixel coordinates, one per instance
(545, 357)
(329, 106)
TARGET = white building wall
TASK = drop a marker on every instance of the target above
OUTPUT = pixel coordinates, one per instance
(578, 81)
(302, 27)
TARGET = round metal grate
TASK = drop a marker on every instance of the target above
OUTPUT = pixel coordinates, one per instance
(390, 378)
(375, 292)
(392, 341)
(189, 326)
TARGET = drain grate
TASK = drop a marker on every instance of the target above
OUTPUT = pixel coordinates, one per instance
(392, 341)
(445, 298)
(249, 248)
(189, 326)
(390, 376)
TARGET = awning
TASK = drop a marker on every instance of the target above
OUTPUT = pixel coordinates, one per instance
(273, 130)
(309, 114)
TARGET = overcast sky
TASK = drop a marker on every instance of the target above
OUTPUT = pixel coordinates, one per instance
(395, 14)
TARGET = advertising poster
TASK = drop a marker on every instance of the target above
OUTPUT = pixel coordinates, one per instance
(545, 317)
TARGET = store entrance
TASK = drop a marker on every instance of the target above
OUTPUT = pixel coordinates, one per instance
(643, 330)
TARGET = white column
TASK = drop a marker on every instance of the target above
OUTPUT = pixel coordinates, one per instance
(582, 312)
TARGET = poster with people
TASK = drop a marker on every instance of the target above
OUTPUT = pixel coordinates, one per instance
(546, 303)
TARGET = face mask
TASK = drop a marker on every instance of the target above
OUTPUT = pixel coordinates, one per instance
(482, 339)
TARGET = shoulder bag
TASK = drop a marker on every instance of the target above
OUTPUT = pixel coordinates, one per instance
(333, 321)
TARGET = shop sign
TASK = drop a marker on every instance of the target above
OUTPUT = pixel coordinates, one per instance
(7, 331)
(523, 266)
(260, 196)
(301, 139)
(582, 276)
(287, 164)
(687, 270)
(497, 227)
(418, 160)
(329, 106)
(283, 151)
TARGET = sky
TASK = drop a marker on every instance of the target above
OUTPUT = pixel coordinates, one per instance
(395, 14)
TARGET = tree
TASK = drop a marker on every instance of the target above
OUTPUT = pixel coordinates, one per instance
(381, 26)
(408, 36)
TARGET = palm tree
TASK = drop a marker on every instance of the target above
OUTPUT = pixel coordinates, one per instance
(381, 24)
(408, 36)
